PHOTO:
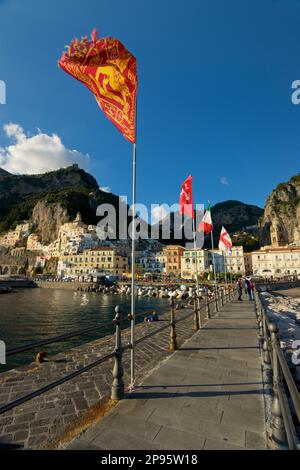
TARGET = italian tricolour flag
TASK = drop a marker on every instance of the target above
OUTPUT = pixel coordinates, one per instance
(206, 223)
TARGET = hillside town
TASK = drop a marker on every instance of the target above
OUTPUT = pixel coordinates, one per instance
(78, 254)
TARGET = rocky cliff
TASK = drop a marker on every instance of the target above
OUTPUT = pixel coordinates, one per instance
(280, 224)
(50, 199)
(47, 219)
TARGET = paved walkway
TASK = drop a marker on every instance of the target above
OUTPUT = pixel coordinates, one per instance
(207, 395)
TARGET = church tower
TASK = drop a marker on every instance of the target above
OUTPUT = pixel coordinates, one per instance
(277, 234)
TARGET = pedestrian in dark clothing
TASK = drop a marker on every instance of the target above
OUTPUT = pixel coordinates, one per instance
(240, 288)
(250, 287)
(155, 316)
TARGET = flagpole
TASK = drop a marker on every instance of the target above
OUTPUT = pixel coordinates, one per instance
(213, 253)
(213, 256)
(230, 272)
(132, 325)
(225, 266)
(195, 248)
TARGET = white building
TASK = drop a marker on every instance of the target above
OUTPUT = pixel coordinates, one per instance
(276, 262)
(235, 261)
(233, 258)
(34, 243)
(151, 262)
(21, 231)
(193, 261)
(216, 256)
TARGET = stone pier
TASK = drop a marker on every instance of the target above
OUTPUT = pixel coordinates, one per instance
(208, 395)
(48, 420)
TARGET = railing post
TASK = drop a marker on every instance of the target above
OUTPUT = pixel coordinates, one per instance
(216, 299)
(117, 389)
(207, 309)
(199, 312)
(266, 349)
(196, 319)
(259, 319)
(173, 342)
(278, 436)
(222, 297)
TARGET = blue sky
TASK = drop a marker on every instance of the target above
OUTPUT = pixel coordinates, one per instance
(214, 96)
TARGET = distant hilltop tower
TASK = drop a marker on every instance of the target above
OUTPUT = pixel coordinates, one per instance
(78, 217)
(75, 166)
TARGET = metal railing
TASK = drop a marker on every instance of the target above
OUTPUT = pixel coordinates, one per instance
(282, 433)
(64, 336)
(199, 312)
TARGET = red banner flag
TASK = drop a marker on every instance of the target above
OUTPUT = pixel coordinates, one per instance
(225, 242)
(186, 206)
(108, 69)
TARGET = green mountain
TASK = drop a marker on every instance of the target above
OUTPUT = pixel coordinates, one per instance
(66, 191)
(238, 218)
(3, 172)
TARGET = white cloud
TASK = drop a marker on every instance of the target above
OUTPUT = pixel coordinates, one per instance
(106, 189)
(158, 213)
(224, 180)
(31, 154)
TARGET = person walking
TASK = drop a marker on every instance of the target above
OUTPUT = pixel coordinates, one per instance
(250, 287)
(240, 288)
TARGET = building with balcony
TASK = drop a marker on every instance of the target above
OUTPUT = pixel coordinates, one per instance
(105, 260)
(194, 261)
(272, 262)
(173, 254)
(248, 263)
(234, 259)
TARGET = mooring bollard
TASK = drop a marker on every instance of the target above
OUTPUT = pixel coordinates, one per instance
(173, 342)
(117, 389)
(196, 319)
(278, 437)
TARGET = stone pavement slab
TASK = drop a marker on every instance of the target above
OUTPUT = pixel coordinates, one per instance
(207, 395)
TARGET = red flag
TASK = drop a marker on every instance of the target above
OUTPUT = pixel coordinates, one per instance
(186, 205)
(225, 242)
(108, 69)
